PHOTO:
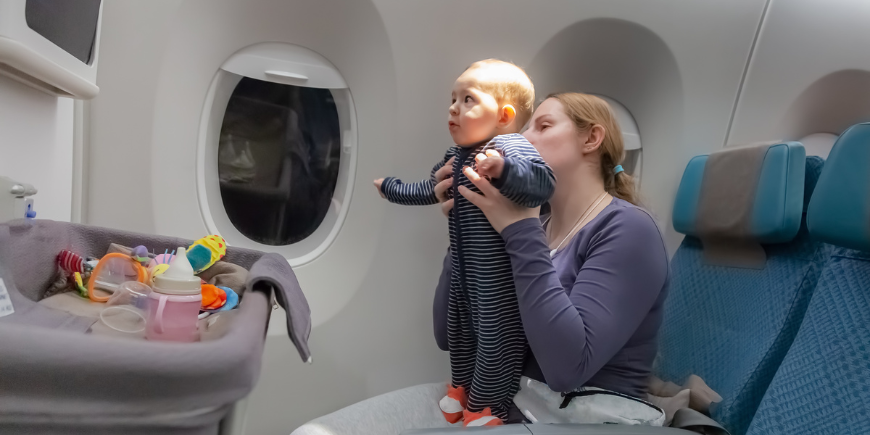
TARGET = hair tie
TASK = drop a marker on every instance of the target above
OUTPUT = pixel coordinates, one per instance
(617, 169)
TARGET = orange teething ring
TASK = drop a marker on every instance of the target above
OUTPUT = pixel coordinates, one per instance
(141, 274)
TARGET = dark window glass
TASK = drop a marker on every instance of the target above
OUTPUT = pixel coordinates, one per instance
(278, 160)
(631, 161)
(69, 24)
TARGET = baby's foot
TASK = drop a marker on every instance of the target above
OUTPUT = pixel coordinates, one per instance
(453, 404)
(483, 418)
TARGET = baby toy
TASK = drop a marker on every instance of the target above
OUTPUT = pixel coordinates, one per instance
(111, 271)
(80, 287)
(213, 297)
(73, 270)
(157, 270)
(232, 299)
(140, 254)
(71, 262)
(206, 251)
(97, 279)
(164, 258)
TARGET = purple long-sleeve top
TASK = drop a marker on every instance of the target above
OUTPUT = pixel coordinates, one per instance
(592, 312)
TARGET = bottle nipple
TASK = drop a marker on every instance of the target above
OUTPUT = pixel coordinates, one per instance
(179, 267)
(179, 277)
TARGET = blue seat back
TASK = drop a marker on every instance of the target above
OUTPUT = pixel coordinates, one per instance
(823, 384)
(731, 326)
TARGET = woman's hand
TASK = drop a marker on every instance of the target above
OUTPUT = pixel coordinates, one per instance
(443, 182)
(500, 211)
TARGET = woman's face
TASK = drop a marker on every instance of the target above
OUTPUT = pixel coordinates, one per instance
(555, 137)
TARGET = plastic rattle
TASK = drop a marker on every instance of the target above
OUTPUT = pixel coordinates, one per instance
(164, 258)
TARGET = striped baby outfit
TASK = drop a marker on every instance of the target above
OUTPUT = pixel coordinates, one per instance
(485, 332)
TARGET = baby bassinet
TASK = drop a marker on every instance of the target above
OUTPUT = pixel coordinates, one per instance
(57, 378)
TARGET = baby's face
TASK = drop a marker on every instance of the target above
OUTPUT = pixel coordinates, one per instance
(473, 113)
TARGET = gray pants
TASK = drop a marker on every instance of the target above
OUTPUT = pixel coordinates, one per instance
(388, 414)
(417, 408)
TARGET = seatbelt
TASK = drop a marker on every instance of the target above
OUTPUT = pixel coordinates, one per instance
(684, 418)
(570, 396)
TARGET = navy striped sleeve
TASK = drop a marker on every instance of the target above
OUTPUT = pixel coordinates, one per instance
(420, 193)
(526, 179)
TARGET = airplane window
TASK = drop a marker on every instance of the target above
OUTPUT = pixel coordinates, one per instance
(630, 137)
(632, 161)
(278, 160)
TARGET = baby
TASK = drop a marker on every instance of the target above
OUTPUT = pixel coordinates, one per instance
(492, 101)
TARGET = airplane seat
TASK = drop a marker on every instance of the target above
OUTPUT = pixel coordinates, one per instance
(823, 384)
(732, 325)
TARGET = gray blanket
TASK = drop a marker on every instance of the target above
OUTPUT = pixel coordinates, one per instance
(50, 368)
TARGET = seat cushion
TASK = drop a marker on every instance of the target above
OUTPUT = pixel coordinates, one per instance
(823, 385)
(732, 327)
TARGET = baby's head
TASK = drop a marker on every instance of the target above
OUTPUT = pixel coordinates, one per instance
(490, 98)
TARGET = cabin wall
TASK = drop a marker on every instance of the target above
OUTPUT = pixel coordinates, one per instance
(809, 75)
(678, 66)
(37, 146)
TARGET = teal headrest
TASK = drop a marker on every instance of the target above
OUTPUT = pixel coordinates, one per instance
(776, 203)
(839, 210)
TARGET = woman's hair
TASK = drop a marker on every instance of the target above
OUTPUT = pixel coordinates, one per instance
(586, 111)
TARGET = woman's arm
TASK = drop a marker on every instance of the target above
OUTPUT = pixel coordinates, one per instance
(442, 299)
(574, 333)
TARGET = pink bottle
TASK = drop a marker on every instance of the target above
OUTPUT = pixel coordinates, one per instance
(174, 303)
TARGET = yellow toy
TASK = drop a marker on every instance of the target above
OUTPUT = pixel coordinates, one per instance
(158, 269)
(206, 251)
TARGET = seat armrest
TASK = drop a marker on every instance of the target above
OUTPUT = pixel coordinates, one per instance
(555, 429)
(510, 429)
(602, 429)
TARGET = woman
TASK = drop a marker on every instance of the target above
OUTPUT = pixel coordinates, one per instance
(591, 279)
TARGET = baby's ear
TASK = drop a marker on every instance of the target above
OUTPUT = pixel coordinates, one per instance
(507, 116)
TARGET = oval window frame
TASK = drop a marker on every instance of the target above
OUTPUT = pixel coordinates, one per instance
(286, 64)
(633, 146)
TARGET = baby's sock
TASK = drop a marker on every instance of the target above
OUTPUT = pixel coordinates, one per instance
(454, 403)
(483, 418)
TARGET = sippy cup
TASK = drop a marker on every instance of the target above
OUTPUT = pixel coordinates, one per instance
(174, 303)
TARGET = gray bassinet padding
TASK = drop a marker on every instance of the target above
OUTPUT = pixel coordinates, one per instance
(52, 371)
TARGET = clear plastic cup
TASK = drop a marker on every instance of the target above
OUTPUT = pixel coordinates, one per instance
(125, 310)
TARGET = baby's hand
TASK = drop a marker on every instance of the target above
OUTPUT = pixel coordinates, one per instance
(378, 183)
(490, 165)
